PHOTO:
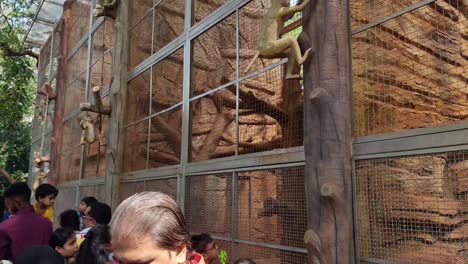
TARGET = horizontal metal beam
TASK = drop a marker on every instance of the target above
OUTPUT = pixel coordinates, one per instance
(157, 57)
(259, 244)
(82, 183)
(281, 158)
(377, 261)
(417, 141)
(169, 171)
(391, 16)
(248, 161)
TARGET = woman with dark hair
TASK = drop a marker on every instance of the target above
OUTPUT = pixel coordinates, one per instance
(70, 219)
(149, 228)
(95, 249)
(64, 241)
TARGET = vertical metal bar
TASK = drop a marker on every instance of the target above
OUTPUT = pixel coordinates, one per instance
(185, 102)
(51, 56)
(355, 212)
(90, 51)
(151, 88)
(84, 148)
(237, 82)
(234, 216)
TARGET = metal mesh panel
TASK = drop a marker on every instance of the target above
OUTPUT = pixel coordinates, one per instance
(227, 247)
(168, 22)
(103, 39)
(413, 209)
(167, 186)
(264, 255)
(364, 12)
(69, 165)
(136, 147)
(138, 98)
(272, 206)
(203, 8)
(127, 189)
(208, 203)
(165, 139)
(95, 190)
(140, 41)
(167, 82)
(213, 125)
(44, 64)
(79, 25)
(138, 10)
(410, 72)
(214, 57)
(271, 112)
(65, 200)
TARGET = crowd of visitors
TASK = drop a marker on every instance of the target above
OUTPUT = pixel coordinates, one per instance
(146, 228)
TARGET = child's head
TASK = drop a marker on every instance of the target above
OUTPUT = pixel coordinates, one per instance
(64, 241)
(46, 194)
(85, 202)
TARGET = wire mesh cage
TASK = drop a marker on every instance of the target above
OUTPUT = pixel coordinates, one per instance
(272, 206)
(165, 139)
(136, 147)
(266, 255)
(214, 57)
(138, 94)
(66, 200)
(412, 209)
(169, 17)
(213, 125)
(209, 195)
(140, 38)
(93, 190)
(167, 186)
(410, 71)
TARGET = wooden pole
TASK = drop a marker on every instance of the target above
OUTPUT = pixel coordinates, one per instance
(327, 132)
(59, 95)
(115, 146)
(98, 106)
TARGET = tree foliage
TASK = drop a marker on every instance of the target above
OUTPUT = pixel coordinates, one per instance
(17, 86)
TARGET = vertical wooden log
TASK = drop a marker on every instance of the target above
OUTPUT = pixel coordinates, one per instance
(327, 132)
(59, 93)
(115, 144)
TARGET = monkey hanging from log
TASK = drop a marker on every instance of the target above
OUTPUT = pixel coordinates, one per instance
(272, 45)
(106, 8)
(89, 132)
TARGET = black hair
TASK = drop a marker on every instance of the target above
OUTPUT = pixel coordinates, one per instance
(93, 249)
(70, 218)
(200, 242)
(60, 237)
(40, 255)
(20, 190)
(89, 200)
(242, 260)
(44, 190)
(100, 212)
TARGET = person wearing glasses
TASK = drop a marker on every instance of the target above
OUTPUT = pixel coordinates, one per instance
(204, 244)
(95, 214)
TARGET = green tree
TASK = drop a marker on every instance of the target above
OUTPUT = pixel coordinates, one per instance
(17, 87)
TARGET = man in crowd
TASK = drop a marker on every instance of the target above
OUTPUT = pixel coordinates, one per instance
(25, 228)
(94, 215)
(204, 244)
(45, 196)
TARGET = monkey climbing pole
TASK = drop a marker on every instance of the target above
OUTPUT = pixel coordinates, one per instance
(327, 132)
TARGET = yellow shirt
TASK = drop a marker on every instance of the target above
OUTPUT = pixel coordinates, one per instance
(49, 212)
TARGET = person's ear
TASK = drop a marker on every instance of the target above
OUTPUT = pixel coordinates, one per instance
(59, 249)
(181, 255)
